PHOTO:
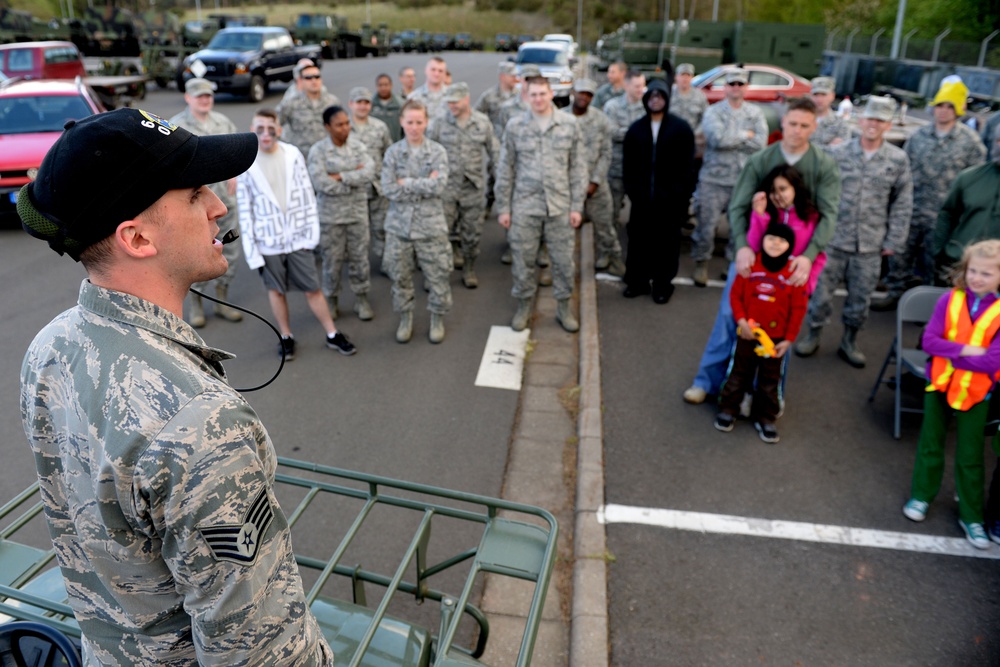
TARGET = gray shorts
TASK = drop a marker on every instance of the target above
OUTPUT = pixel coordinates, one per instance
(295, 270)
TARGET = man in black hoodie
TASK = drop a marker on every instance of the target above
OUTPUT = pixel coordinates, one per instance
(659, 179)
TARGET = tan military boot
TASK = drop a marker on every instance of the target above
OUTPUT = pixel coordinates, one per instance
(436, 334)
(196, 316)
(523, 314)
(848, 350)
(363, 308)
(616, 267)
(224, 311)
(700, 275)
(456, 256)
(469, 278)
(405, 329)
(808, 345)
(565, 317)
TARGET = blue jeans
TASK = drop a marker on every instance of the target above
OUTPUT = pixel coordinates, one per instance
(719, 348)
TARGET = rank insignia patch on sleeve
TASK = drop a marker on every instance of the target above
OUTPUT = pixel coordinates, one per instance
(240, 543)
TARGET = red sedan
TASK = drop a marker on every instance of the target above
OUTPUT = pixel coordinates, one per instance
(767, 83)
(32, 116)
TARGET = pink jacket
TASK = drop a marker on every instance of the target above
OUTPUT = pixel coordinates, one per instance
(803, 233)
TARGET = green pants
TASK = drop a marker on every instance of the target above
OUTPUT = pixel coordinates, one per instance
(969, 468)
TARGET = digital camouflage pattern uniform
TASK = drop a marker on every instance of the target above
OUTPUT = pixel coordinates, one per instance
(605, 93)
(376, 136)
(343, 211)
(387, 111)
(876, 202)
(301, 118)
(157, 481)
(689, 106)
(515, 106)
(935, 162)
(829, 128)
(726, 151)
(491, 102)
(415, 228)
(621, 114)
(541, 178)
(595, 128)
(217, 123)
(434, 101)
(471, 149)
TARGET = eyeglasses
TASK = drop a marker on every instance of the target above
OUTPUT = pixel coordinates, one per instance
(736, 83)
(310, 77)
(269, 130)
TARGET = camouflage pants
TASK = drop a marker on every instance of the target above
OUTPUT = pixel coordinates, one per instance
(617, 186)
(465, 209)
(231, 251)
(916, 261)
(859, 271)
(399, 260)
(377, 207)
(598, 209)
(525, 236)
(713, 200)
(345, 243)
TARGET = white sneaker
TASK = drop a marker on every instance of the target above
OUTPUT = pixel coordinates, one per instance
(695, 395)
(976, 534)
(915, 510)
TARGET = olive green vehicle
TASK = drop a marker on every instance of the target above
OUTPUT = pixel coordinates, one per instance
(20, 26)
(381, 539)
(337, 40)
(413, 40)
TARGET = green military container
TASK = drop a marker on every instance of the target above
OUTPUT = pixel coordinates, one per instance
(793, 46)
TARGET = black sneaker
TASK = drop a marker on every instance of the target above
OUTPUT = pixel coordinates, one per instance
(767, 432)
(724, 422)
(287, 347)
(339, 342)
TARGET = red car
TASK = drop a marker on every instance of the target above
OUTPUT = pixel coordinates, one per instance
(767, 83)
(41, 60)
(32, 116)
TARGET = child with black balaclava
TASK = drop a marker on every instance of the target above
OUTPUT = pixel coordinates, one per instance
(777, 307)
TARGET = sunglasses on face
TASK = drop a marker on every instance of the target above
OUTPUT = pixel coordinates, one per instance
(739, 84)
(310, 77)
(269, 130)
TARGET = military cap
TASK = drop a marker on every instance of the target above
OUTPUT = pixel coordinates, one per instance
(584, 86)
(880, 108)
(197, 86)
(507, 67)
(736, 75)
(685, 68)
(456, 92)
(359, 93)
(823, 84)
(110, 167)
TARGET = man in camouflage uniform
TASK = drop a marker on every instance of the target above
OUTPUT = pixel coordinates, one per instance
(374, 134)
(341, 170)
(734, 130)
(297, 81)
(467, 136)
(301, 116)
(492, 100)
(686, 102)
(622, 111)
(407, 82)
(541, 186)
(414, 176)
(875, 206)
(156, 475)
(615, 86)
(386, 106)
(596, 130)
(199, 118)
(431, 94)
(938, 151)
(831, 129)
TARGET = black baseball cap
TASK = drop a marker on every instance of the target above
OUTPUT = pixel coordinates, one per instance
(110, 167)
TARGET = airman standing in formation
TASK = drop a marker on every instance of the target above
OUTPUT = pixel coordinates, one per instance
(615, 86)
(414, 176)
(938, 151)
(622, 111)
(301, 115)
(517, 104)
(687, 102)
(541, 187)
(467, 136)
(200, 119)
(431, 94)
(297, 81)
(734, 130)
(492, 100)
(386, 106)
(595, 128)
(341, 169)
(407, 81)
(876, 202)
(375, 135)
(831, 129)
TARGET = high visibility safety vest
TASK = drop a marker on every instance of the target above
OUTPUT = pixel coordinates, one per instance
(965, 388)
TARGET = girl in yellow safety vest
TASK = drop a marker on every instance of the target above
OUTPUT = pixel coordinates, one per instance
(961, 339)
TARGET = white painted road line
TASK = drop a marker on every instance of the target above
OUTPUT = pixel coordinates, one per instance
(793, 530)
(502, 365)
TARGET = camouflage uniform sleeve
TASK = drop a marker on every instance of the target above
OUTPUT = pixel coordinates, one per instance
(318, 174)
(604, 149)
(244, 203)
(619, 124)
(503, 189)
(759, 140)
(577, 171)
(492, 147)
(391, 189)
(900, 209)
(204, 486)
(284, 111)
(426, 186)
(359, 177)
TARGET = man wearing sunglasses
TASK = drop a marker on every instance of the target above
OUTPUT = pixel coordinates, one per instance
(301, 115)
(734, 130)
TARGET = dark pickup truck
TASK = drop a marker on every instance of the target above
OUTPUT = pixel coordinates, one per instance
(244, 61)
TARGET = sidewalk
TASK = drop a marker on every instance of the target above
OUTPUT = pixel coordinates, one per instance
(558, 436)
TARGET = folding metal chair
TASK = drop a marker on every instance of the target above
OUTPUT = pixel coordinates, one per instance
(916, 306)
